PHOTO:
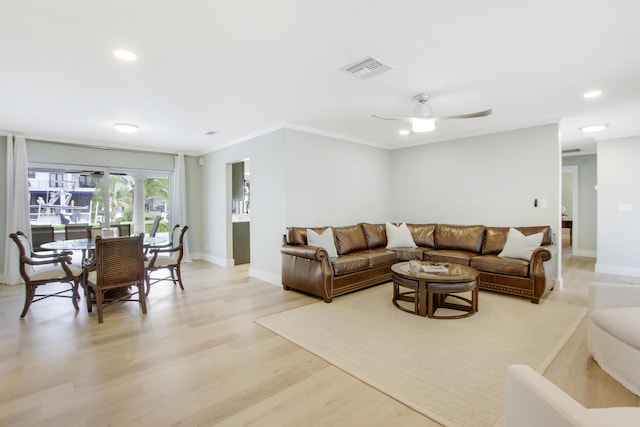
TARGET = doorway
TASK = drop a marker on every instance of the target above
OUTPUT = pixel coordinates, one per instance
(570, 206)
(241, 211)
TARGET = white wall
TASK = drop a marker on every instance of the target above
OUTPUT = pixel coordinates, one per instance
(297, 179)
(334, 182)
(489, 179)
(619, 230)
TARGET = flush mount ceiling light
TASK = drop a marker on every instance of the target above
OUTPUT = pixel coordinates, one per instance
(404, 132)
(125, 55)
(592, 94)
(126, 127)
(594, 128)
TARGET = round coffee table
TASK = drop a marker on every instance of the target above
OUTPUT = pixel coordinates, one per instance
(429, 291)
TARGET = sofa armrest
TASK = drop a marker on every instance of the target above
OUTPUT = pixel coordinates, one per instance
(611, 295)
(303, 251)
(537, 271)
(308, 269)
(531, 401)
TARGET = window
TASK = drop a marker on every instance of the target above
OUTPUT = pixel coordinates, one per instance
(60, 196)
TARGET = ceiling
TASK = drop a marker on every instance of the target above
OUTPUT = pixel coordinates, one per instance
(241, 68)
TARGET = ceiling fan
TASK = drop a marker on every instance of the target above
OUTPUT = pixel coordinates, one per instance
(423, 119)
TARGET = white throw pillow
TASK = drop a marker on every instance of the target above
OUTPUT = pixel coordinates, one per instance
(399, 237)
(324, 240)
(520, 246)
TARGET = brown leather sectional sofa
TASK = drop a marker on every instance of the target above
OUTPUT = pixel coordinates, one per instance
(363, 259)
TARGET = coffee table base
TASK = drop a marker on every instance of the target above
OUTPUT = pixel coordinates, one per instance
(437, 294)
(412, 296)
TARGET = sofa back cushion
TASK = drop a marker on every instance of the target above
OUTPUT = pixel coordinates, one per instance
(375, 235)
(544, 229)
(496, 237)
(349, 239)
(298, 235)
(423, 234)
(460, 237)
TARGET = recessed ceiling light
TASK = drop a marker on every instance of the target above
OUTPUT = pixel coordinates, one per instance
(404, 132)
(125, 55)
(594, 128)
(126, 127)
(592, 94)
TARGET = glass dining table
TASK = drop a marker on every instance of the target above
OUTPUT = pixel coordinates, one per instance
(88, 246)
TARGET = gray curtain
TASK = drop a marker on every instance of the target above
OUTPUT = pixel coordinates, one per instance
(17, 204)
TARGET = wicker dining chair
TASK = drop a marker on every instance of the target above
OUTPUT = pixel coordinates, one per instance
(77, 231)
(155, 225)
(168, 257)
(41, 234)
(42, 269)
(119, 264)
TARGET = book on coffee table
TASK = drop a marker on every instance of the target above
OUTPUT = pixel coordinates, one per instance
(435, 268)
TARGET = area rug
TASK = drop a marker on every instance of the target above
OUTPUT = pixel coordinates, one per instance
(452, 371)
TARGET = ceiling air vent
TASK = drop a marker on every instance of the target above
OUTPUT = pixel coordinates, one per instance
(571, 150)
(367, 68)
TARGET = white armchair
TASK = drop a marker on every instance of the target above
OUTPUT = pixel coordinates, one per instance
(531, 400)
(614, 332)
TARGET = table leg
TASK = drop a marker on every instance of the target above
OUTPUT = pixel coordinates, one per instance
(422, 295)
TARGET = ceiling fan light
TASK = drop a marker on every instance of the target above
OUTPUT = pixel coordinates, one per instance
(422, 125)
(423, 110)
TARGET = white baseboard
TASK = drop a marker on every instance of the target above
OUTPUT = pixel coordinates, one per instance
(272, 279)
(557, 284)
(618, 270)
(222, 262)
(584, 253)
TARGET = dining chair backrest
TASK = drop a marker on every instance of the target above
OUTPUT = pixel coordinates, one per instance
(177, 241)
(76, 231)
(124, 230)
(120, 261)
(41, 234)
(25, 248)
(154, 227)
(94, 233)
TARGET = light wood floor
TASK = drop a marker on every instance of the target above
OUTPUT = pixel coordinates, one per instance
(198, 358)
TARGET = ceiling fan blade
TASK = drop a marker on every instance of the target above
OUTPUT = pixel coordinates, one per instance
(403, 119)
(468, 116)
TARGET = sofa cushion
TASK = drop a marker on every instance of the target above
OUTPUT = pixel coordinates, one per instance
(423, 234)
(495, 264)
(545, 230)
(494, 240)
(406, 254)
(375, 235)
(520, 246)
(349, 264)
(399, 236)
(349, 239)
(496, 237)
(324, 240)
(621, 322)
(377, 257)
(298, 235)
(456, 257)
(459, 237)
